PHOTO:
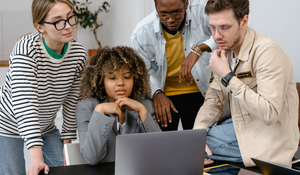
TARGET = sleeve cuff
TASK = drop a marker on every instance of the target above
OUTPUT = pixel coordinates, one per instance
(211, 44)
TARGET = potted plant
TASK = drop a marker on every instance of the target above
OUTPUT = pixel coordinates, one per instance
(87, 18)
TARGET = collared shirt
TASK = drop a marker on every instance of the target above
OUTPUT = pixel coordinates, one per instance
(121, 127)
(149, 41)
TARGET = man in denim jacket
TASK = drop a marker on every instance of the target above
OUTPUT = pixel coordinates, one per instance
(174, 42)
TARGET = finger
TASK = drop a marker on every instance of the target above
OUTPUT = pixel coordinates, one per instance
(164, 116)
(47, 169)
(208, 161)
(223, 54)
(190, 76)
(159, 111)
(168, 112)
(36, 170)
(156, 112)
(186, 76)
(216, 53)
(180, 72)
(119, 112)
(28, 172)
(119, 101)
(207, 150)
(173, 107)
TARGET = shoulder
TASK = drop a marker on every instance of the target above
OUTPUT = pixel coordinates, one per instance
(76, 54)
(75, 46)
(262, 43)
(26, 50)
(196, 12)
(77, 49)
(197, 3)
(90, 103)
(26, 44)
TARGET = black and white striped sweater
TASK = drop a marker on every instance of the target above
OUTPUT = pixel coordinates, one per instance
(35, 88)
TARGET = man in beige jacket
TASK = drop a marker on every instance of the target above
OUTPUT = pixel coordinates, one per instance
(251, 107)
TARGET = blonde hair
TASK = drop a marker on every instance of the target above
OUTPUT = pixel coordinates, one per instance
(40, 9)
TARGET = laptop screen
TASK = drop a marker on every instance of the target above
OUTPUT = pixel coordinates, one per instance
(161, 153)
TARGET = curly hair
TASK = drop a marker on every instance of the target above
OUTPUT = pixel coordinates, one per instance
(107, 60)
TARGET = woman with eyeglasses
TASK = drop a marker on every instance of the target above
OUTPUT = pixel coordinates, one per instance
(44, 74)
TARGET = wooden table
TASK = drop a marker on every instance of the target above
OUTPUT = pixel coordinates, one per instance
(4, 63)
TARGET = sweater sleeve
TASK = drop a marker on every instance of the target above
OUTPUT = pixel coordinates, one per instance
(24, 95)
(69, 126)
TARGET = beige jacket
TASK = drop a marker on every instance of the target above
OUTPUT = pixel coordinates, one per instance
(263, 102)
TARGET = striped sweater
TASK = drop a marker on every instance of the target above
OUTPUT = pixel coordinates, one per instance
(36, 86)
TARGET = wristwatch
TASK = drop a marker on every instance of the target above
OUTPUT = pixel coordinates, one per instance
(158, 91)
(196, 49)
(225, 80)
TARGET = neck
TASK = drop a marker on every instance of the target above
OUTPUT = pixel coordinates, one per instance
(55, 46)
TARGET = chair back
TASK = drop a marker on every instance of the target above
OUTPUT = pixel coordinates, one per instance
(73, 155)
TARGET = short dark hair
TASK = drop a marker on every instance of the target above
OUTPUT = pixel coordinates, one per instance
(239, 7)
(155, 1)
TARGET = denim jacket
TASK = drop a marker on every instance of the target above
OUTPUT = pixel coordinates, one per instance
(149, 41)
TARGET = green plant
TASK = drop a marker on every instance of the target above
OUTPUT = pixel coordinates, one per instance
(87, 18)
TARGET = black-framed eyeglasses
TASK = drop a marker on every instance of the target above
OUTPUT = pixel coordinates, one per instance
(223, 30)
(61, 24)
(177, 16)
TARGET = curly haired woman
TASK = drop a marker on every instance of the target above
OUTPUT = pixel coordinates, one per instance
(112, 84)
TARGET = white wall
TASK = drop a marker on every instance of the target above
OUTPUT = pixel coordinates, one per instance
(279, 20)
(118, 23)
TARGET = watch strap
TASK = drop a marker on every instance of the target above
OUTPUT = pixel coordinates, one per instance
(157, 92)
(198, 50)
(195, 48)
(195, 53)
(225, 80)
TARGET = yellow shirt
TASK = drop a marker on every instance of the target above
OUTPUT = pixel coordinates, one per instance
(175, 56)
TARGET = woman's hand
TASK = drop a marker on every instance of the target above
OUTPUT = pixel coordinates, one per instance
(110, 108)
(37, 162)
(132, 105)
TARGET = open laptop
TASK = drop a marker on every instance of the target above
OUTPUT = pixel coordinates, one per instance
(273, 169)
(161, 153)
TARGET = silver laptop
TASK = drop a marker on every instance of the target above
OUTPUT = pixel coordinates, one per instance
(161, 153)
(273, 169)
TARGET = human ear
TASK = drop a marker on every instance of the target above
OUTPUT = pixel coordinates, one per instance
(244, 22)
(40, 28)
(186, 4)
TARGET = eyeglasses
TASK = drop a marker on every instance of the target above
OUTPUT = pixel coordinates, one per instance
(164, 17)
(61, 24)
(222, 29)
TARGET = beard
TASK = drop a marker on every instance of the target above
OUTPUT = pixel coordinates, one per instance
(235, 41)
